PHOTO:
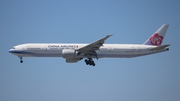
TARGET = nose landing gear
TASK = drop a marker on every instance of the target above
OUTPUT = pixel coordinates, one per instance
(90, 62)
(21, 61)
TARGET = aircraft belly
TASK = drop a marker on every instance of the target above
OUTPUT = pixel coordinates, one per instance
(123, 54)
(115, 54)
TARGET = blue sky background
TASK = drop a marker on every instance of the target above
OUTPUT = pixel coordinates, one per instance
(149, 78)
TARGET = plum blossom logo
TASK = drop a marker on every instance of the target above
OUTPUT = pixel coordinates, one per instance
(156, 39)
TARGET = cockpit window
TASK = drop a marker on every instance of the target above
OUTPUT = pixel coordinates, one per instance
(13, 48)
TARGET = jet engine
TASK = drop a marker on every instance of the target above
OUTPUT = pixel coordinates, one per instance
(69, 53)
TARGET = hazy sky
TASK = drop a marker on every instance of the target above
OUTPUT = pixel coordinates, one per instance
(149, 78)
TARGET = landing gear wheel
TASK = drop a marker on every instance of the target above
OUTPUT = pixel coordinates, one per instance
(93, 64)
(21, 61)
(86, 61)
(89, 62)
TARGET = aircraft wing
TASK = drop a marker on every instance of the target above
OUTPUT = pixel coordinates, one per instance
(160, 47)
(91, 48)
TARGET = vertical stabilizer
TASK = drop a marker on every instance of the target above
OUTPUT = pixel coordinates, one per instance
(157, 38)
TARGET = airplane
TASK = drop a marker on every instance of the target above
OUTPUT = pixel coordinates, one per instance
(74, 52)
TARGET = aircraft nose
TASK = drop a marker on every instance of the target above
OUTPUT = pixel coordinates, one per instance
(10, 51)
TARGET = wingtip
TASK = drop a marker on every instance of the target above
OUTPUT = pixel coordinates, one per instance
(109, 34)
(166, 24)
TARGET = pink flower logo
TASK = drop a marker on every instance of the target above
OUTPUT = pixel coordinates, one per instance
(156, 39)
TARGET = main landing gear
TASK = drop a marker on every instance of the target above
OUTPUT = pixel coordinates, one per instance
(90, 62)
(21, 61)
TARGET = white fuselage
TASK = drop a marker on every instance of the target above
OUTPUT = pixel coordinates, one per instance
(106, 51)
(75, 52)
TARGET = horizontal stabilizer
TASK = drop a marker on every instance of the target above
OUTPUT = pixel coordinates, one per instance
(160, 47)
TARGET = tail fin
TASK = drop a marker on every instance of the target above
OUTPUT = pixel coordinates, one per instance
(157, 38)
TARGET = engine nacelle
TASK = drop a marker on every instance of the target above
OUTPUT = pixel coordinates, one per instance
(72, 60)
(68, 53)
